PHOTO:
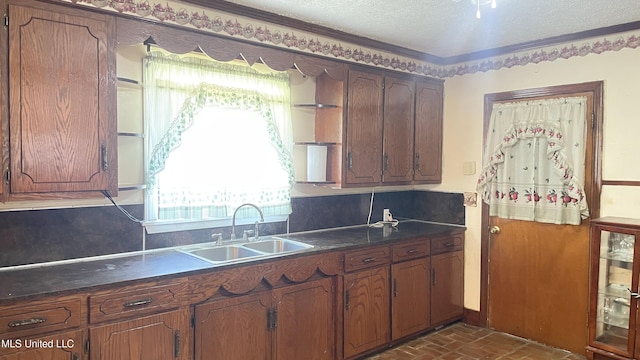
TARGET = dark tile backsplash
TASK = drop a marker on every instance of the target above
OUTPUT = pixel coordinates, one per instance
(345, 210)
(37, 236)
(47, 235)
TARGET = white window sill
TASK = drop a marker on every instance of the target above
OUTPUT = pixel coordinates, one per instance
(160, 226)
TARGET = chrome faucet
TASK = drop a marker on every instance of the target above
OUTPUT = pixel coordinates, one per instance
(217, 236)
(233, 220)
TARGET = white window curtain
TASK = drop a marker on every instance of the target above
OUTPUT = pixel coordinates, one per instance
(244, 118)
(534, 161)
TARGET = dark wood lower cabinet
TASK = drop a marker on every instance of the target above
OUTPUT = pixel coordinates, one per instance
(165, 336)
(334, 305)
(447, 271)
(66, 346)
(288, 323)
(305, 326)
(235, 328)
(410, 297)
(366, 310)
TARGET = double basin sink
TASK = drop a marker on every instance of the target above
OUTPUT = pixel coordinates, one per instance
(218, 254)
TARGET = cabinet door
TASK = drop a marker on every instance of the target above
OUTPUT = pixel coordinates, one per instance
(305, 321)
(62, 103)
(613, 321)
(446, 287)
(165, 336)
(364, 128)
(410, 297)
(428, 133)
(234, 329)
(366, 313)
(65, 346)
(397, 159)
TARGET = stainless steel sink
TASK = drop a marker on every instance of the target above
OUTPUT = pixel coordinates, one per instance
(276, 245)
(219, 254)
(240, 251)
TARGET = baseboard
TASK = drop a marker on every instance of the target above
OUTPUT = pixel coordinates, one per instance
(472, 317)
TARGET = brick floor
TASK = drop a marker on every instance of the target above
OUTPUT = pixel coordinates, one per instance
(464, 342)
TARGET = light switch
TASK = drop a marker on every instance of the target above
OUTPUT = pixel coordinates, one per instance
(468, 168)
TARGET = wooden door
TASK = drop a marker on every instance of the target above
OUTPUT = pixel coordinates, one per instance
(66, 346)
(538, 273)
(366, 313)
(447, 286)
(62, 103)
(364, 128)
(165, 336)
(428, 133)
(306, 321)
(397, 158)
(233, 329)
(410, 299)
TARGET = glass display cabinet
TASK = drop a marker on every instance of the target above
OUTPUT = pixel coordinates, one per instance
(614, 291)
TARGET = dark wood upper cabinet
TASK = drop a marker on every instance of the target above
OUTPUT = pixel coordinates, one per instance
(393, 130)
(62, 99)
(364, 128)
(428, 132)
(397, 158)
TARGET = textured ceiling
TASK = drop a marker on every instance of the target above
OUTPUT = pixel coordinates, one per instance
(447, 28)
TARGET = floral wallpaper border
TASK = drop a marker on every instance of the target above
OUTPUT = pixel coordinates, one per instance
(230, 26)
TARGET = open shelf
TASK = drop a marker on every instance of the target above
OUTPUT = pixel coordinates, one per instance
(316, 143)
(131, 187)
(316, 182)
(131, 134)
(126, 83)
(316, 106)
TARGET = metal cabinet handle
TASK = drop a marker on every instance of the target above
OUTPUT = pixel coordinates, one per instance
(395, 287)
(635, 295)
(138, 302)
(347, 300)
(369, 259)
(105, 161)
(349, 161)
(417, 165)
(449, 245)
(412, 251)
(32, 321)
(385, 165)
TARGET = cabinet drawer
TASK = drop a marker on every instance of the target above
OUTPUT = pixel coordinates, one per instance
(361, 259)
(446, 244)
(410, 250)
(38, 318)
(125, 303)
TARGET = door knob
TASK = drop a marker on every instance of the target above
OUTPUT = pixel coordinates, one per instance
(494, 229)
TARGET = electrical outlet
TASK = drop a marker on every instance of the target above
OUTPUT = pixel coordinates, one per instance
(386, 215)
(470, 199)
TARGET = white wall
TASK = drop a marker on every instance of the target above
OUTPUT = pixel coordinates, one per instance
(463, 126)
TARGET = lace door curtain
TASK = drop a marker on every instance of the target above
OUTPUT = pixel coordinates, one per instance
(179, 90)
(534, 161)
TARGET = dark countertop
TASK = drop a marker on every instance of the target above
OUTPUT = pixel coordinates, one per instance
(86, 274)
